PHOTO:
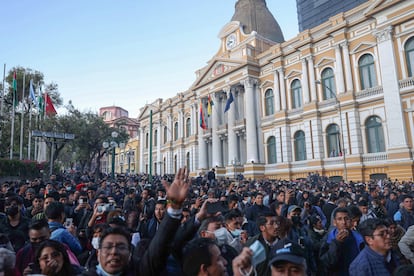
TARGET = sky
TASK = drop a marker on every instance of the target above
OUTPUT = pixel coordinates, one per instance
(120, 52)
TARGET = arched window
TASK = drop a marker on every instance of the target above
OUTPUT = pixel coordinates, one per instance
(375, 134)
(271, 150)
(300, 146)
(164, 163)
(155, 137)
(269, 102)
(367, 74)
(328, 84)
(175, 131)
(165, 134)
(146, 140)
(175, 164)
(187, 160)
(409, 56)
(188, 127)
(296, 92)
(333, 141)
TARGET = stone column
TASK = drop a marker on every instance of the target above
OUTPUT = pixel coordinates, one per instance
(159, 142)
(305, 82)
(339, 75)
(231, 135)
(348, 69)
(252, 154)
(181, 124)
(312, 86)
(392, 99)
(216, 158)
(276, 90)
(282, 89)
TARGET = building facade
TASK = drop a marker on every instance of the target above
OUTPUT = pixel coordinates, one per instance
(336, 99)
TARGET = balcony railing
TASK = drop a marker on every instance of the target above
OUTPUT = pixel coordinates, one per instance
(406, 83)
(370, 92)
(373, 157)
(334, 161)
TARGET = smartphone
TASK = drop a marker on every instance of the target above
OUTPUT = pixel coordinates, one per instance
(216, 207)
(68, 222)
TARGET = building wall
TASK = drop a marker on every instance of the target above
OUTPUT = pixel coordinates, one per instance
(238, 139)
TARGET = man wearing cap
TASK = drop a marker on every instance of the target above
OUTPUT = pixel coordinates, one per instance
(376, 258)
(288, 258)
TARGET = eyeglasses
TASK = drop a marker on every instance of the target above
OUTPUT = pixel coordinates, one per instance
(121, 248)
(53, 255)
(383, 234)
(273, 223)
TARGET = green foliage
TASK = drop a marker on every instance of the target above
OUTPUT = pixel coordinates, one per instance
(21, 168)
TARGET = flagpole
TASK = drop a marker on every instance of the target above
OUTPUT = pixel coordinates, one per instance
(2, 102)
(22, 119)
(13, 115)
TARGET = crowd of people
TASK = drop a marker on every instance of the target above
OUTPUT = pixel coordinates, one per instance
(73, 224)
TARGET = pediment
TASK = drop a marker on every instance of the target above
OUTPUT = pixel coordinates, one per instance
(293, 73)
(325, 61)
(216, 69)
(266, 83)
(362, 47)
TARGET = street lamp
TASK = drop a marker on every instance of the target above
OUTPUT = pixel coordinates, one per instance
(340, 121)
(111, 146)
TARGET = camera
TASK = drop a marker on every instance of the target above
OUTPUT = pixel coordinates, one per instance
(105, 208)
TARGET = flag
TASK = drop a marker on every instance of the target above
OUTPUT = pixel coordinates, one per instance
(210, 103)
(14, 84)
(49, 108)
(40, 103)
(202, 121)
(32, 93)
(228, 103)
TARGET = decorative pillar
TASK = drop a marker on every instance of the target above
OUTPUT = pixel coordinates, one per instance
(311, 68)
(392, 99)
(339, 75)
(305, 81)
(348, 69)
(276, 90)
(231, 135)
(282, 89)
(216, 158)
(141, 150)
(158, 168)
(251, 124)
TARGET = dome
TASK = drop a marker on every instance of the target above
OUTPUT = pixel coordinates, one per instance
(255, 16)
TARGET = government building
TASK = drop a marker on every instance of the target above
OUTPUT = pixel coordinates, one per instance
(336, 99)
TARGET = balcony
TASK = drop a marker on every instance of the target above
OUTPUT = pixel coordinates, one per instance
(373, 91)
(374, 157)
(406, 83)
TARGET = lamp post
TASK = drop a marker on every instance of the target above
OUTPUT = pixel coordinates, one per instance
(341, 124)
(111, 146)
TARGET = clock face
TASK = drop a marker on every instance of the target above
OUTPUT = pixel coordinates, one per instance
(231, 41)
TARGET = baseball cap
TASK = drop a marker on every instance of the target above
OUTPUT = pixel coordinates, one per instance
(293, 208)
(288, 251)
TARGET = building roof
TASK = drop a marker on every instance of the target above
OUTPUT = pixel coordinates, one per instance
(255, 16)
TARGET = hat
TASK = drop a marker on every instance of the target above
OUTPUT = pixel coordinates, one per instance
(293, 208)
(286, 250)
(31, 190)
(314, 219)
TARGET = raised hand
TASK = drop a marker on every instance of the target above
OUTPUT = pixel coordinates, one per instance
(178, 190)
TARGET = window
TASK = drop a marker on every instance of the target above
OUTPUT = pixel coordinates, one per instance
(300, 146)
(296, 91)
(175, 164)
(146, 140)
(328, 84)
(271, 150)
(409, 56)
(367, 74)
(375, 134)
(165, 134)
(333, 141)
(155, 137)
(188, 127)
(175, 131)
(269, 102)
(187, 160)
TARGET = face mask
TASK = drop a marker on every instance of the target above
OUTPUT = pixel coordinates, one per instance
(236, 232)
(259, 253)
(95, 242)
(221, 235)
(296, 220)
(12, 211)
(68, 188)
